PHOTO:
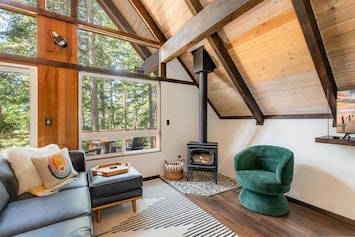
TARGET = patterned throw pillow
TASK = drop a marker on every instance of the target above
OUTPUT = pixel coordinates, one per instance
(54, 168)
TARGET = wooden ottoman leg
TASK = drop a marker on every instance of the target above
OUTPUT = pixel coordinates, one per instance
(134, 205)
(98, 215)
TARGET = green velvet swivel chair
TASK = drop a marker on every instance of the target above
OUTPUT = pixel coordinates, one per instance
(265, 173)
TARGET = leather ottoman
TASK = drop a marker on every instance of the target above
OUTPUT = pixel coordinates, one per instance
(113, 190)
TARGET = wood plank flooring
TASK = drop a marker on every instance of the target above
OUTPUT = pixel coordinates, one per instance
(301, 221)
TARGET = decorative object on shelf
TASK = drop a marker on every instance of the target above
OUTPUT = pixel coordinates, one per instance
(174, 170)
(111, 169)
(59, 40)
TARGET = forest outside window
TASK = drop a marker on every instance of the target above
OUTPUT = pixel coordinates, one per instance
(18, 105)
(117, 115)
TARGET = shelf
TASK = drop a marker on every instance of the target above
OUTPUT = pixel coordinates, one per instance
(339, 141)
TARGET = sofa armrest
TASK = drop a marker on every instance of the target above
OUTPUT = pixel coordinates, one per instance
(78, 159)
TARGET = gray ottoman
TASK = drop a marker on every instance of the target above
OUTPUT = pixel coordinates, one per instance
(113, 190)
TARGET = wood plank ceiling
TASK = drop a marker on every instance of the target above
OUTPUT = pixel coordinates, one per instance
(279, 59)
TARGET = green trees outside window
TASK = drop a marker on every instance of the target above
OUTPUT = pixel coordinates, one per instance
(116, 114)
(14, 108)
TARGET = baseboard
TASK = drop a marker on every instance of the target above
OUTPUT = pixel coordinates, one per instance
(328, 213)
(151, 177)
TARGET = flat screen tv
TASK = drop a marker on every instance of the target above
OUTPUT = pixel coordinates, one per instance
(346, 112)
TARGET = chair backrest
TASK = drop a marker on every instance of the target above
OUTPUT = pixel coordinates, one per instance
(138, 143)
(273, 158)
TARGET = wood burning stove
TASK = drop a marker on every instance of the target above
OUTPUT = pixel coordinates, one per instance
(202, 155)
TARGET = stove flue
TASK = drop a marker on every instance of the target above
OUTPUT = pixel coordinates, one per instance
(202, 155)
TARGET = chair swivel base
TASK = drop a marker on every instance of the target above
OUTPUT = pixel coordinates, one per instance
(270, 205)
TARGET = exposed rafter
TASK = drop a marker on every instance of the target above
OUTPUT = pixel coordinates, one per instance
(122, 24)
(314, 41)
(233, 72)
(149, 21)
(152, 63)
(208, 21)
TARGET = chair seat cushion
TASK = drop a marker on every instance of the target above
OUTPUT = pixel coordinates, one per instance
(261, 181)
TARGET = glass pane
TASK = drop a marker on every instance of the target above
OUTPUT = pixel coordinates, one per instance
(140, 143)
(28, 2)
(62, 7)
(18, 34)
(107, 52)
(117, 105)
(102, 146)
(92, 12)
(14, 109)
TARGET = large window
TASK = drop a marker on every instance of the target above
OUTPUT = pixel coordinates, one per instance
(118, 115)
(18, 106)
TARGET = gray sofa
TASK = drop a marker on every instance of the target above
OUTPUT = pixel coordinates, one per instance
(65, 213)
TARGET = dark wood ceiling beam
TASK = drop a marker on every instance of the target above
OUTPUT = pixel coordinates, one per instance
(227, 62)
(148, 20)
(40, 61)
(206, 22)
(152, 63)
(314, 41)
(117, 18)
(237, 79)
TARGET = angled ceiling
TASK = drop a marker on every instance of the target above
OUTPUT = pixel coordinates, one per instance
(275, 58)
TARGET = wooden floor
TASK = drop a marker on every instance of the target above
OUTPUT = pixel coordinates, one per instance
(301, 221)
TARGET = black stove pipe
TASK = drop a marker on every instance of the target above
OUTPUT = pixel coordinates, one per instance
(203, 65)
(203, 107)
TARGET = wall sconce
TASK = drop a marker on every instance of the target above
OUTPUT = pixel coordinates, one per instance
(59, 40)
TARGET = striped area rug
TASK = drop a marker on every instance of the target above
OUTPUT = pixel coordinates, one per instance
(163, 211)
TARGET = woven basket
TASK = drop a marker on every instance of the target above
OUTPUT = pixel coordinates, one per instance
(174, 170)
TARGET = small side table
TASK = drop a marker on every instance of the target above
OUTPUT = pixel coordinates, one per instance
(114, 190)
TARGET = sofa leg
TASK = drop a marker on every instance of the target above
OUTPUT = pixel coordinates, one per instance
(98, 215)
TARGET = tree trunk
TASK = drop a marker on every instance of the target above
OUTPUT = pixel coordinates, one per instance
(93, 81)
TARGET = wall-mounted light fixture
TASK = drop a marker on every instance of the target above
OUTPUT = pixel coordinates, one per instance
(59, 40)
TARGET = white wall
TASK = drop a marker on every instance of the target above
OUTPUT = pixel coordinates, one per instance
(324, 173)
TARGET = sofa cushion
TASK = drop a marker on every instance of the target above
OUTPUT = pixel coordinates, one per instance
(80, 181)
(77, 227)
(4, 196)
(25, 215)
(20, 160)
(54, 168)
(8, 178)
(101, 186)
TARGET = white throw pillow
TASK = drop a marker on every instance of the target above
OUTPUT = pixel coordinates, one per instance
(20, 160)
